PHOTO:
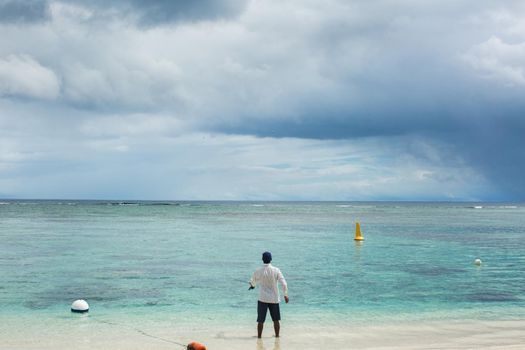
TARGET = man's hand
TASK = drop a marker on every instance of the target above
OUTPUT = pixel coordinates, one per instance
(286, 299)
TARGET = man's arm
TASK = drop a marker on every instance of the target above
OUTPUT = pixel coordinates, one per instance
(253, 281)
(284, 285)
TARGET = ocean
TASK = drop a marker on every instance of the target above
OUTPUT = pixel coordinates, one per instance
(188, 264)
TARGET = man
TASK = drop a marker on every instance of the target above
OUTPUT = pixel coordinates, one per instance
(267, 277)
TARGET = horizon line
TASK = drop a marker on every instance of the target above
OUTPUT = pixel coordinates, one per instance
(123, 200)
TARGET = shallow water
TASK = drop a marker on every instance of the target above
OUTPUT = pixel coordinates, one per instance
(188, 263)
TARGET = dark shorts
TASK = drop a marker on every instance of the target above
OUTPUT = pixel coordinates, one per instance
(262, 309)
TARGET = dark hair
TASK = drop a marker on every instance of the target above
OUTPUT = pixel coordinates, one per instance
(267, 257)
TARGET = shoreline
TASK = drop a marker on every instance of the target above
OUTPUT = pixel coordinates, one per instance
(471, 334)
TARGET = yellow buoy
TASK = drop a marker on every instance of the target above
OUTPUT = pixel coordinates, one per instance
(358, 235)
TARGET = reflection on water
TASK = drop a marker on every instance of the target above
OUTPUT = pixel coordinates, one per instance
(358, 246)
(276, 345)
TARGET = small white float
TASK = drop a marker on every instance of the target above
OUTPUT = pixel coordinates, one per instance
(80, 306)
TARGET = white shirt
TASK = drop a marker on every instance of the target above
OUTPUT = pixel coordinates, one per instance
(267, 277)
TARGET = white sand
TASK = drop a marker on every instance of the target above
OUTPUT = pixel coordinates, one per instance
(507, 335)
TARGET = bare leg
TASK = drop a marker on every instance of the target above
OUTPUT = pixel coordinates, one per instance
(276, 328)
(259, 329)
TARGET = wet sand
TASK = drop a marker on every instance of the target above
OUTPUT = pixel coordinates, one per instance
(427, 335)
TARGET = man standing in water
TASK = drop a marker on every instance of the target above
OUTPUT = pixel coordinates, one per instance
(267, 277)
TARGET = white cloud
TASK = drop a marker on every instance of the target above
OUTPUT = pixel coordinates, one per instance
(131, 125)
(135, 111)
(22, 75)
(498, 60)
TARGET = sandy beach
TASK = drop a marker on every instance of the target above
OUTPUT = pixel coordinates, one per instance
(429, 335)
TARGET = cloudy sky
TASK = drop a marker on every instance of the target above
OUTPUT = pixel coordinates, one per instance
(262, 99)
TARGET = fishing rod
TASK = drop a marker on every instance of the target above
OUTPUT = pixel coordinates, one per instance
(138, 330)
(244, 281)
(190, 346)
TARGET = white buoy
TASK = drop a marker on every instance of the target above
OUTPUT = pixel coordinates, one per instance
(80, 306)
(477, 262)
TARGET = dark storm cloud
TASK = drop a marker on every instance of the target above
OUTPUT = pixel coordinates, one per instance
(12, 11)
(482, 126)
(413, 83)
(165, 11)
(148, 13)
(494, 143)
(157, 12)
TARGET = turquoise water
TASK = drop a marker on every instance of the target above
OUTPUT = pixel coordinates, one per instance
(177, 260)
